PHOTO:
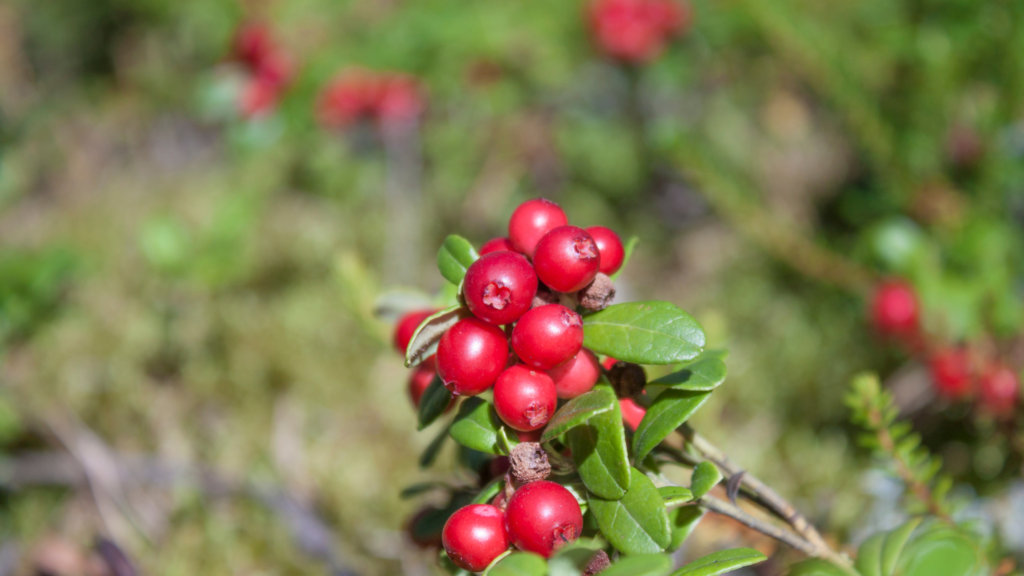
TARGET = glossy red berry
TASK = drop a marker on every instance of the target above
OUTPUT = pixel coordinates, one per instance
(567, 259)
(998, 391)
(531, 221)
(474, 536)
(951, 373)
(529, 436)
(895, 309)
(406, 328)
(496, 245)
(632, 413)
(576, 376)
(420, 379)
(499, 287)
(547, 336)
(609, 246)
(470, 356)
(524, 398)
(608, 362)
(542, 517)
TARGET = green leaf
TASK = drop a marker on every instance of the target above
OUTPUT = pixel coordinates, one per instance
(579, 410)
(454, 257)
(505, 442)
(628, 253)
(703, 375)
(638, 522)
(435, 400)
(419, 488)
(599, 452)
(424, 341)
(815, 567)
(644, 333)
(433, 449)
(476, 426)
(573, 559)
(640, 565)
(941, 550)
(869, 556)
(682, 521)
(519, 564)
(705, 477)
(675, 495)
(668, 411)
(894, 543)
(721, 562)
(490, 491)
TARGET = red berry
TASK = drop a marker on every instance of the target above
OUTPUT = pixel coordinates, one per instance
(951, 372)
(531, 221)
(998, 390)
(631, 30)
(608, 362)
(471, 356)
(499, 287)
(348, 97)
(632, 413)
(275, 69)
(895, 309)
(609, 246)
(474, 536)
(525, 399)
(253, 43)
(547, 336)
(420, 379)
(258, 98)
(407, 326)
(577, 375)
(529, 436)
(542, 517)
(399, 98)
(567, 259)
(496, 245)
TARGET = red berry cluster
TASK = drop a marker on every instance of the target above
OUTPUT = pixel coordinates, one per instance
(958, 372)
(358, 94)
(270, 69)
(636, 31)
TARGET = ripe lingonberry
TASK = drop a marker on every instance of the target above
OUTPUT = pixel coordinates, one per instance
(609, 246)
(253, 43)
(346, 98)
(577, 375)
(635, 30)
(547, 336)
(531, 221)
(524, 398)
(421, 378)
(567, 259)
(895, 309)
(406, 328)
(529, 435)
(496, 245)
(258, 98)
(951, 373)
(632, 413)
(542, 517)
(998, 390)
(474, 536)
(470, 356)
(399, 98)
(608, 362)
(499, 287)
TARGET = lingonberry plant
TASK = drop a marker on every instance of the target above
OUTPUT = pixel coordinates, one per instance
(571, 452)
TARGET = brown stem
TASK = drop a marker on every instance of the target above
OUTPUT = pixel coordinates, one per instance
(781, 534)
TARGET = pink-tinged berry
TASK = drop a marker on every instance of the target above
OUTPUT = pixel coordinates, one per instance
(998, 390)
(474, 536)
(524, 398)
(258, 98)
(547, 336)
(952, 374)
(499, 287)
(253, 43)
(632, 413)
(609, 246)
(406, 328)
(496, 245)
(347, 98)
(470, 356)
(895, 309)
(400, 98)
(531, 221)
(635, 31)
(276, 69)
(542, 517)
(567, 259)
(577, 376)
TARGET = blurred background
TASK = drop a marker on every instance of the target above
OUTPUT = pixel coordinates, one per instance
(199, 206)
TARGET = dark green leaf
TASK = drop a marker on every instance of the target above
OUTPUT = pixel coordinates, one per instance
(420, 488)
(579, 410)
(675, 495)
(433, 449)
(703, 375)
(644, 333)
(640, 565)
(572, 559)
(476, 426)
(454, 257)
(424, 340)
(505, 441)
(519, 564)
(815, 567)
(869, 556)
(668, 411)
(682, 521)
(599, 451)
(628, 253)
(894, 543)
(435, 400)
(638, 522)
(721, 562)
(705, 477)
(490, 491)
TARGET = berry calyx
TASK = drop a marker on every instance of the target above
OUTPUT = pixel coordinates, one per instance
(609, 246)
(547, 336)
(474, 536)
(951, 373)
(496, 245)
(895, 309)
(499, 287)
(998, 391)
(567, 259)
(525, 399)
(577, 376)
(470, 356)
(632, 413)
(406, 328)
(542, 517)
(420, 379)
(531, 221)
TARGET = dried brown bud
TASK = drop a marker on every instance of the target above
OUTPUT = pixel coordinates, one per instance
(627, 379)
(598, 563)
(544, 296)
(529, 463)
(599, 294)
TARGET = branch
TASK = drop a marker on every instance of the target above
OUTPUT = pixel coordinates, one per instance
(781, 534)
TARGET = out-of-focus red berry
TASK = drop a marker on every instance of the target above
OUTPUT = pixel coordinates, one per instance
(895, 309)
(577, 376)
(420, 379)
(348, 97)
(632, 413)
(531, 221)
(399, 98)
(258, 98)
(951, 372)
(635, 31)
(275, 68)
(253, 42)
(406, 328)
(496, 245)
(998, 391)
(608, 362)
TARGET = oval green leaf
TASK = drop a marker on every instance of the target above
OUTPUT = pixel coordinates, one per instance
(573, 559)
(489, 491)
(705, 477)
(721, 562)
(433, 449)
(675, 495)
(815, 567)
(628, 253)
(519, 564)
(637, 523)
(454, 257)
(894, 543)
(644, 333)
(434, 402)
(476, 426)
(669, 411)
(599, 452)
(682, 521)
(424, 341)
(640, 565)
(579, 410)
(941, 550)
(869, 556)
(703, 375)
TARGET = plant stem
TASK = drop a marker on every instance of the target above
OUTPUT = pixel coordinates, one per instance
(781, 534)
(920, 489)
